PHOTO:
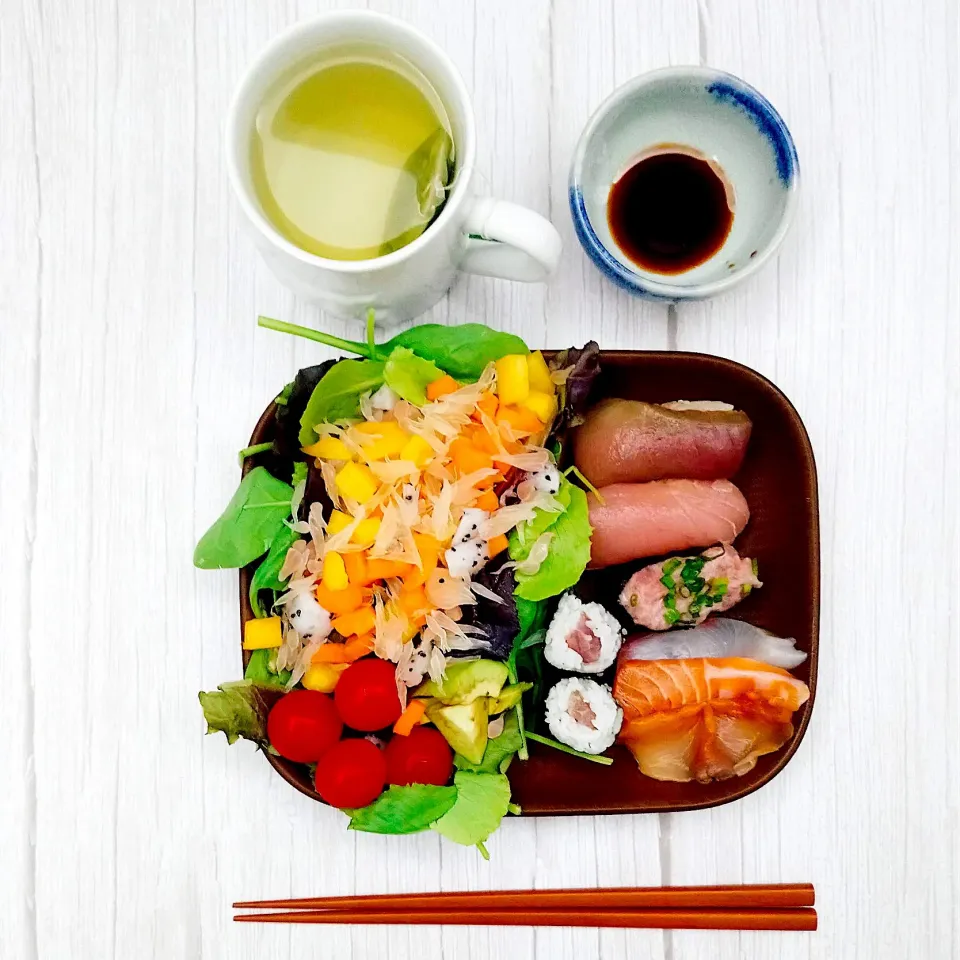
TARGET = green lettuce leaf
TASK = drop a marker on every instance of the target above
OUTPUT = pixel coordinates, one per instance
(266, 577)
(407, 809)
(462, 351)
(249, 524)
(259, 671)
(500, 750)
(524, 535)
(482, 802)
(407, 375)
(337, 395)
(568, 555)
(239, 709)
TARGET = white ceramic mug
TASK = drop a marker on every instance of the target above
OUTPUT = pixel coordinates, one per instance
(474, 234)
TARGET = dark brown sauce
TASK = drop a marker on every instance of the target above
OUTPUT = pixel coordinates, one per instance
(670, 211)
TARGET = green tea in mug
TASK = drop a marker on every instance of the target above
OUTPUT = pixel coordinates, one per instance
(352, 154)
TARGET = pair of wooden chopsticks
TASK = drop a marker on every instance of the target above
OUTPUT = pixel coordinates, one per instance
(778, 906)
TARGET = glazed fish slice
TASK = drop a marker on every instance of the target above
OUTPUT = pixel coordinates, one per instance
(718, 637)
(624, 441)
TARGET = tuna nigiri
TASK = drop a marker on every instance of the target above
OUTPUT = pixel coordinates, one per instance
(719, 637)
(624, 441)
(634, 520)
(686, 590)
(704, 719)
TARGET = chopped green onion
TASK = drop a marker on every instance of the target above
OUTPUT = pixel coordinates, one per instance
(698, 585)
(667, 580)
(719, 585)
(671, 617)
(669, 601)
(717, 597)
(671, 565)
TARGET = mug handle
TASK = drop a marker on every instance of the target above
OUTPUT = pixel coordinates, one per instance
(508, 241)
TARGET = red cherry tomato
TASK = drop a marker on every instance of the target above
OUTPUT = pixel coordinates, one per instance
(366, 695)
(422, 757)
(351, 774)
(303, 725)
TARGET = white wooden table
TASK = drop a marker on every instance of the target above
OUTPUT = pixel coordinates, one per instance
(131, 372)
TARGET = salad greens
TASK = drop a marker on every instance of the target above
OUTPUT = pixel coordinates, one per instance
(408, 809)
(337, 395)
(500, 750)
(247, 527)
(259, 671)
(408, 375)
(482, 802)
(239, 709)
(266, 576)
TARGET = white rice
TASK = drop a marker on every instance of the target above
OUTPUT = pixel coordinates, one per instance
(596, 734)
(563, 628)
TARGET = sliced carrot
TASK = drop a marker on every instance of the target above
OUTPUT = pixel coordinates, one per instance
(384, 569)
(488, 483)
(356, 565)
(497, 545)
(488, 501)
(410, 718)
(331, 653)
(340, 601)
(429, 549)
(357, 622)
(357, 647)
(467, 458)
(520, 418)
(413, 601)
(482, 440)
(488, 404)
(441, 387)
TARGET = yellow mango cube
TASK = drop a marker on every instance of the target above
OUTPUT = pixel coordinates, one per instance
(513, 378)
(539, 373)
(329, 448)
(366, 531)
(543, 405)
(334, 576)
(338, 521)
(387, 439)
(355, 481)
(418, 450)
(262, 634)
(323, 677)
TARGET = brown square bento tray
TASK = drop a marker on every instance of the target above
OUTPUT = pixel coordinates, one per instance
(779, 481)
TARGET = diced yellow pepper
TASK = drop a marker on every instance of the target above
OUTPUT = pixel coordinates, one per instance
(366, 531)
(513, 378)
(539, 373)
(263, 634)
(386, 441)
(418, 450)
(334, 575)
(544, 405)
(323, 677)
(329, 448)
(356, 482)
(338, 521)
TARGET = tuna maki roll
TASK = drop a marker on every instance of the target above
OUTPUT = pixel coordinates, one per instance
(583, 714)
(582, 637)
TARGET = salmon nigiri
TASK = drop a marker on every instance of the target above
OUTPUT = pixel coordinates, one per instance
(704, 719)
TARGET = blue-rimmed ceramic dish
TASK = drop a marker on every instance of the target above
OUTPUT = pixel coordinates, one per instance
(724, 119)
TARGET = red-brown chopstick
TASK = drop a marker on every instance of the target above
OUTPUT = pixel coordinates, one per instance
(795, 918)
(743, 896)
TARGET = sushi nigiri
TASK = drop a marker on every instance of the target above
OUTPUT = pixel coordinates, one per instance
(634, 520)
(684, 591)
(582, 714)
(582, 637)
(624, 441)
(719, 637)
(704, 719)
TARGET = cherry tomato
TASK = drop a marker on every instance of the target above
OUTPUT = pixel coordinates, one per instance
(366, 695)
(422, 757)
(351, 774)
(303, 725)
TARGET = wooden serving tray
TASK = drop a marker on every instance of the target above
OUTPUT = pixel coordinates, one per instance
(779, 480)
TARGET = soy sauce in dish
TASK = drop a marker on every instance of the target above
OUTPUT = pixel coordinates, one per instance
(671, 210)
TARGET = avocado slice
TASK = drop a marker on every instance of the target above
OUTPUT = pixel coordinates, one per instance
(509, 697)
(466, 681)
(463, 725)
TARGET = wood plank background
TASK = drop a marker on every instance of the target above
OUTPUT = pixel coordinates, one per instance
(131, 371)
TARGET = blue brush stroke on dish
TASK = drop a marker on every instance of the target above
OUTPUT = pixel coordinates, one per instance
(607, 264)
(767, 121)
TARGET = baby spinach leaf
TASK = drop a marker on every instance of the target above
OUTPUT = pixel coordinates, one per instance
(461, 351)
(408, 809)
(532, 615)
(499, 751)
(568, 555)
(482, 801)
(337, 395)
(258, 670)
(245, 530)
(295, 396)
(266, 577)
(239, 709)
(407, 375)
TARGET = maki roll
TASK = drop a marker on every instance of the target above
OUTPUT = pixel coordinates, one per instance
(583, 714)
(582, 637)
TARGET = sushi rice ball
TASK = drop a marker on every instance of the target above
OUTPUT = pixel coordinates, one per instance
(582, 637)
(583, 714)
